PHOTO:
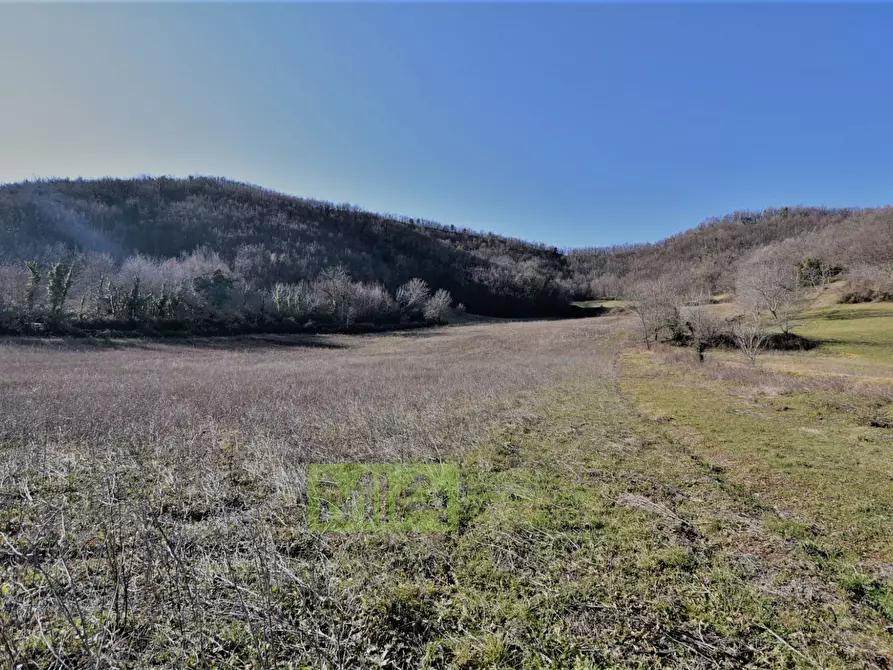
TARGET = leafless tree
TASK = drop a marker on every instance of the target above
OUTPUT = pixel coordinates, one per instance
(749, 335)
(656, 302)
(870, 282)
(335, 289)
(413, 294)
(701, 325)
(769, 281)
(438, 306)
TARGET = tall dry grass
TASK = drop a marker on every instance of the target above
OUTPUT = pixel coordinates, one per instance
(151, 494)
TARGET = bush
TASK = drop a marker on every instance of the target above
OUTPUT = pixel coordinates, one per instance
(864, 290)
(413, 295)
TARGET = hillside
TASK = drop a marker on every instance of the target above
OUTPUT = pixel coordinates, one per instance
(712, 252)
(175, 252)
(268, 237)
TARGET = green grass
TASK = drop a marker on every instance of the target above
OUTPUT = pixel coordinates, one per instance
(616, 306)
(822, 477)
(813, 452)
(594, 537)
(852, 331)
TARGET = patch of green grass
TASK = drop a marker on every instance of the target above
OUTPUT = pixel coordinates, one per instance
(813, 452)
(822, 475)
(860, 330)
(616, 306)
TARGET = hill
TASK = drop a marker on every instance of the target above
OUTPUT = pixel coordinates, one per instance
(268, 238)
(113, 252)
(711, 253)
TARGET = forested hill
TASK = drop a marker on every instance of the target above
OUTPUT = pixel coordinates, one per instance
(152, 250)
(268, 238)
(712, 253)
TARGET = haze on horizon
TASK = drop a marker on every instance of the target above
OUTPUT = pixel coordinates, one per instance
(572, 124)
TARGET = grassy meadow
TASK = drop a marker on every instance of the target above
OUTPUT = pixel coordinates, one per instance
(619, 507)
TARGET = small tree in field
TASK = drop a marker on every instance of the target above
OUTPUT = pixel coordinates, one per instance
(438, 306)
(749, 336)
(701, 325)
(656, 303)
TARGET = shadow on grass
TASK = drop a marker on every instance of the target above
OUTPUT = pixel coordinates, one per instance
(581, 312)
(222, 343)
(774, 342)
(789, 342)
(862, 313)
(862, 342)
(424, 334)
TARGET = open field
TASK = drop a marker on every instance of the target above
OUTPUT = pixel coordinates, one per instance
(620, 508)
(853, 331)
(409, 394)
(855, 344)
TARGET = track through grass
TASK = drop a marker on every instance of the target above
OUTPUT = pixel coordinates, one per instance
(597, 537)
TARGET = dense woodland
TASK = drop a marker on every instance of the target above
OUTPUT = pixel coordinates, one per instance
(209, 255)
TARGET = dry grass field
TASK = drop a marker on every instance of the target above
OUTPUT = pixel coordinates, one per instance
(409, 395)
(620, 508)
(130, 468)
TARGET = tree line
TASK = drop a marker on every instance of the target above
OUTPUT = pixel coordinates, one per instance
(203, 254)
(199, 293)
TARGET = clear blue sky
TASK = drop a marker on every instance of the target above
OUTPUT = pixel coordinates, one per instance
(572, 124)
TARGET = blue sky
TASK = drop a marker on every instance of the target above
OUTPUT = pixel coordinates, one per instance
(573, 124)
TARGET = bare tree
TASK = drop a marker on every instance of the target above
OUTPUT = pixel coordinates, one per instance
(816, 273)
(34, 279)
(878, 277)
(335, 288)
(656, 302)
(701, 325)
(12, 286)
(413, 294)
(438, 306)
(293, 300)
(769, 281)
(749, 335)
